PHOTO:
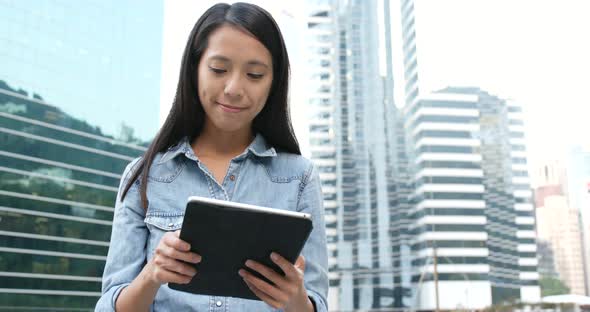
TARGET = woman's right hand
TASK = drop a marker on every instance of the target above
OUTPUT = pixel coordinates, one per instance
(166, 265)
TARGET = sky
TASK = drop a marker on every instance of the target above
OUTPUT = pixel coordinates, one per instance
(83, 57)
(536, 53)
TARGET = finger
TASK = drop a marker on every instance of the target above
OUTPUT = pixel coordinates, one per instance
(264, 297)
(180, 268)
(287, 267)
(178, 255)
(267, 272)
(174, 266)
(264, 287)
(165, 276)
(171, 239)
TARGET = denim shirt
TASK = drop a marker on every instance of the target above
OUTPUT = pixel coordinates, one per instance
(260, 176)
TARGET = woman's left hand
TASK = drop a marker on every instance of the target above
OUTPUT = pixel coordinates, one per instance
(288, 292)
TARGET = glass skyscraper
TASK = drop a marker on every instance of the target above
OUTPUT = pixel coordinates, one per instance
(472, 202)
(447, 173)
(79, 99)
(578, 194)
(354, 143)
(471, 205)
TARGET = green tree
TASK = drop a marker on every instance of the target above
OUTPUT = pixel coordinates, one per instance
(552, 286)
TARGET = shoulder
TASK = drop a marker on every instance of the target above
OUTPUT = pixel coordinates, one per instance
(131, 168)
(287, 167)
(128, 173)
(168, 164)
(164, 167)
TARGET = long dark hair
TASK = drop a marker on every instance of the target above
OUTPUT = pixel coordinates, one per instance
(187, 116)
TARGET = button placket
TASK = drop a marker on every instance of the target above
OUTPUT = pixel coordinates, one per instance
(232, 177)
(229, 174)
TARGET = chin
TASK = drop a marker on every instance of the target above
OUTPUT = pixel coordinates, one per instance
(230, 127)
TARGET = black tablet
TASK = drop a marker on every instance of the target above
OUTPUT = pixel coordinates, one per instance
(226, 234)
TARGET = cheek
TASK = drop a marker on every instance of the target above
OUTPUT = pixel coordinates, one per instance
(261, 102)
(202, 87)
(205, 92)
(202, 94)
(263, 94)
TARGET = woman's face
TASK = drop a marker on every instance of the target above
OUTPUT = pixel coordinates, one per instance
(235, 75)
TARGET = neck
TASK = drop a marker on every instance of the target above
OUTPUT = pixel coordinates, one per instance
(213, 141)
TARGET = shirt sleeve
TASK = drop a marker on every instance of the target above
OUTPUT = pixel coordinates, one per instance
(127, 249)
(315, 249)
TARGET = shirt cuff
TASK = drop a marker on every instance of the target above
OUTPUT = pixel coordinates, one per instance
(106, 302)
(318, 302)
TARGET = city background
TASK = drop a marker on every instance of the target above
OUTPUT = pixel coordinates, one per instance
(451, 139)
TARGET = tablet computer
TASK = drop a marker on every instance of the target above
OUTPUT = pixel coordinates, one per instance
(226, 234)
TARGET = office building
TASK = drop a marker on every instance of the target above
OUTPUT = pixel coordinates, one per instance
(353, 141)
(472, 207)
(559, 227)
(79, 97)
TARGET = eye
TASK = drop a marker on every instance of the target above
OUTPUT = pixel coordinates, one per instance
(217, 70)
(255, 76)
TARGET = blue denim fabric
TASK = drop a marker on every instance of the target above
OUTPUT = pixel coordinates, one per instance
(259, 176)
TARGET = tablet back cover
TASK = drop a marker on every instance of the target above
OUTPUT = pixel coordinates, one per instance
(226, 237)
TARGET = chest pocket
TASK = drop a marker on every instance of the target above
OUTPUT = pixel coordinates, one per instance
(158, 224)
(168, 171)
(164, 222)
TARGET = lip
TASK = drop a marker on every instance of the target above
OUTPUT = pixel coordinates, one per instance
(229, 108)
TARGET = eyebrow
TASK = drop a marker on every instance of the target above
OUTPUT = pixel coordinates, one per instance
(225, 59)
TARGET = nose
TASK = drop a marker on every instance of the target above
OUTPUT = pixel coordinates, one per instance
(234, 86)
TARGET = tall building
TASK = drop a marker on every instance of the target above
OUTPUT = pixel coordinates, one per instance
(546, 260)
(445, 180)
(472, 208)
(322, 106)
(448, 208)
(576, 188)
(353, 141)
(515, 181)
(559, 227)
(79, 92)
(58, 181)
(410, 53)
(578, 176)
(549, 174)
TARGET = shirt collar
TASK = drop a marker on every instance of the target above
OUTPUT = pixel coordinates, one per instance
(182, 147)
(258, 147)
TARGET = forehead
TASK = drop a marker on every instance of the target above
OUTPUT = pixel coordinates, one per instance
(236, 45)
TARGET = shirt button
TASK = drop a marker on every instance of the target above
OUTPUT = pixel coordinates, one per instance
(170, 225)
(218, 303)
(232, 177)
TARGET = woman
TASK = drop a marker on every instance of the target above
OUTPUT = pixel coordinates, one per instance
(228, 136)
